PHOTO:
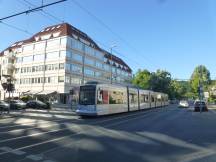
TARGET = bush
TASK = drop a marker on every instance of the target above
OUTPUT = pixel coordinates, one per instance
(26, 98)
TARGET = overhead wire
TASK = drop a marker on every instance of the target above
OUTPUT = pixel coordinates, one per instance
(42, 12)
(16, 28)
(60, 20)
(110, 30)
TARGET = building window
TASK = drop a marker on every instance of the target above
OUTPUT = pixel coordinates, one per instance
(75, 80)
(27, 59)
(19, 59)
(53, 43)
(52, 55)
(63, 41)
(89, 61)
(89, 50)
(28, 48)
(61, 66)
(40, 46)
(89, 72)
(67, 79)
(61, 79)
(99, 64)
(77, 45)
(98, 74)
(77, 57)
(99, 55)
(76, 68)
(67, 54)
(67, 67)
(106, 67)
(39, 57)
(17, 70)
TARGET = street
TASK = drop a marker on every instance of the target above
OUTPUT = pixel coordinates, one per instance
(168, 134)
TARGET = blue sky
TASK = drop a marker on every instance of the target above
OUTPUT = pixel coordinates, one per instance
(174, 35)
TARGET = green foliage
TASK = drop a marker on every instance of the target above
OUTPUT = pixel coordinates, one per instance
(161, 81)
(158, 81)
(26, 98)
(200, 74)
(142, 79)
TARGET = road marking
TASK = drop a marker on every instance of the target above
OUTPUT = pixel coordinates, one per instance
(48, 161)
(49, 125)
(17, 152)
(62, 129)
(106, 126)
(6, 148)
(34, 157)
(33, 122)
(80, 132)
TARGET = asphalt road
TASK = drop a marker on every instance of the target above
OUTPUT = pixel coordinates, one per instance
(167, 134)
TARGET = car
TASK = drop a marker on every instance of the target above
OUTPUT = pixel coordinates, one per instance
(36, 104)
(16, 104)
(4, 107)
(200, 104)
(184, 104)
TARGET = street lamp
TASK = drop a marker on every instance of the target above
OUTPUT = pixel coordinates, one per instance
(111, 49)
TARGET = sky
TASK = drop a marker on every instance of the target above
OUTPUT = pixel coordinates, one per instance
(172, 35)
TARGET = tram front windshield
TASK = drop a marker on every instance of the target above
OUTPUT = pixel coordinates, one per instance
(87, 95)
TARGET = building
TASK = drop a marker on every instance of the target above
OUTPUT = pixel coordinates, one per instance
(56, 59)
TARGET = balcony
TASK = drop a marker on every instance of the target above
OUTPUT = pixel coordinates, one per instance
(8, 66)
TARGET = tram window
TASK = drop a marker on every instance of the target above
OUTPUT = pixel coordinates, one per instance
(102, 97)
(152, 99)
(133, 98)
(116, 97)
(146, 98)
(87, 95)
(142, 98)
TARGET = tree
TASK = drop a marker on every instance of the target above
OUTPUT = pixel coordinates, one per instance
(160, 81)
(200, 74)
(180, 89)
(142, 79)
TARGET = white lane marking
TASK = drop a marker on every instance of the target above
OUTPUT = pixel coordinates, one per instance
(81, 132)
(34, 157)
(63, 137)
(17, 152)
(46, 126)
(48, 161)
(62, 129)
(6, 149)
(32, 123)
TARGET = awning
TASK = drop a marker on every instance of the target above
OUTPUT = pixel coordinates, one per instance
(29, 92)
(47, 92)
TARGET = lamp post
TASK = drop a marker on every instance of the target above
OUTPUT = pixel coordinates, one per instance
(111, 49)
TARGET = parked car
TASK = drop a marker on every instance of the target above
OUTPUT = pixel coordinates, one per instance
(200, 104)
(17, 104)
(184, 104)
(4, 106)
(36, 104)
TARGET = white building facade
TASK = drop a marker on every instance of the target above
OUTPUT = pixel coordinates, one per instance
(57, 59)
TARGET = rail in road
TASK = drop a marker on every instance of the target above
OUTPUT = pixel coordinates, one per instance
(99, 139)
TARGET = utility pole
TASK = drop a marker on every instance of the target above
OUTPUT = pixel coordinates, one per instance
(200, 87)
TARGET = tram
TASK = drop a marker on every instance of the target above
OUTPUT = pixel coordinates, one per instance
(97, 99)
